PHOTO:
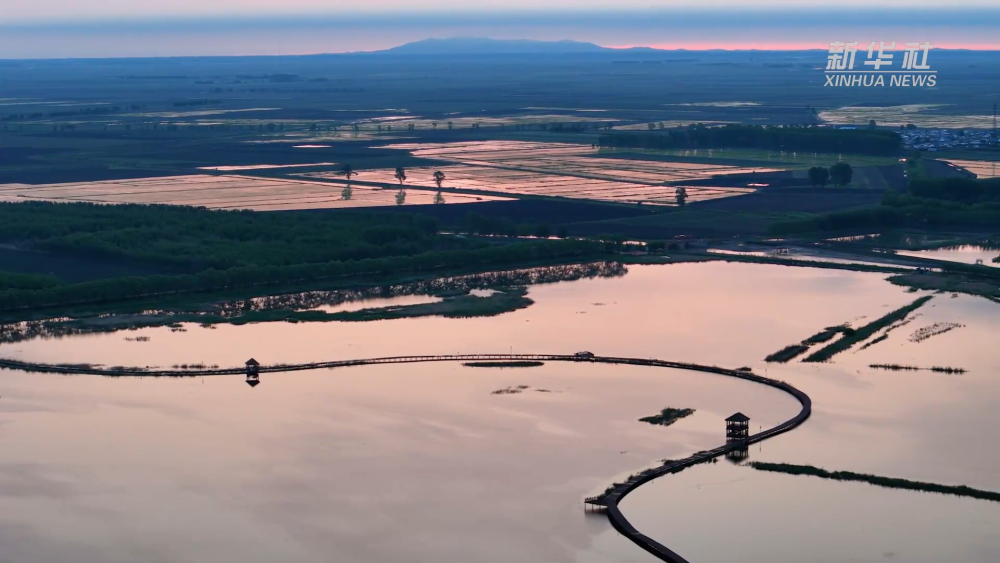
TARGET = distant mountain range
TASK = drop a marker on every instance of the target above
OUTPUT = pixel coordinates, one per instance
(487, 46)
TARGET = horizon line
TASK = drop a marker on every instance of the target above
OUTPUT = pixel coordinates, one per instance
(690, 48)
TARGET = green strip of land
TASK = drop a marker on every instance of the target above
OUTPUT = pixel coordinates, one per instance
(787, 353)
(889, 482)
(866, 331)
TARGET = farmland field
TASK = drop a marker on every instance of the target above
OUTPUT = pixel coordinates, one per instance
(223, 192)
(520, 182)
(555, 170)
(786, 160)
(921, 115)
(981, 168)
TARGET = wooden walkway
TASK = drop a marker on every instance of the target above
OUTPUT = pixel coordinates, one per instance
(609, 501)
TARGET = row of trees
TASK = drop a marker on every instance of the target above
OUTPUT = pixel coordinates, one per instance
(778, 138)
(400, 175)
(956, 203)
(840, 174)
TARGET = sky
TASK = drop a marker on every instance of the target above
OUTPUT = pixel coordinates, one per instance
(49, 10)
(142, 28)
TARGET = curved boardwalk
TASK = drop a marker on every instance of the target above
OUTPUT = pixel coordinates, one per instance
(610, 499)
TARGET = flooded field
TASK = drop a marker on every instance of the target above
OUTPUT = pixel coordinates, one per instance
(576, 159)
(556, 169)
(916, 425)
(921, 115)
(331, 464)
(522, 182)
(224, 192)
(965, 253)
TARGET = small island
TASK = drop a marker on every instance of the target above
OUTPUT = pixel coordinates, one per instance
(667, 416)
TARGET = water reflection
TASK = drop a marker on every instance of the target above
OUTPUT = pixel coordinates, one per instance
(423, 463)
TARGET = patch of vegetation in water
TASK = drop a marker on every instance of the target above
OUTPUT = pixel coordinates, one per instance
(511, 364)
(510, 390)
(786, 354)
(898, 367)
(866, 331)
(875, 341)
(888, 482)
(667, 416)
(789, 353)
(828, 333)
(933, 330)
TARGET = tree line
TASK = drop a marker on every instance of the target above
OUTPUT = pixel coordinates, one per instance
(840, 174)
(929, 203)
(186, 239)
(121, 289)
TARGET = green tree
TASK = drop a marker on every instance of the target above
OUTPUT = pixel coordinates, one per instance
(818, 176)
(451, 125)
(872, 124)
(400, 197)
(841, 173)
(347, 193)
(348, 171)
(682, 195)
(439, 178)
(400, 175)
(438, 198)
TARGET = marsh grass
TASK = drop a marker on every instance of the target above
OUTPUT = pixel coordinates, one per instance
(511, 390)
(935, 329)
(898, 367)
(888, 482)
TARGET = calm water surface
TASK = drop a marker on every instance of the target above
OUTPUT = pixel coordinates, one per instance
(967, 254)
(422, 463)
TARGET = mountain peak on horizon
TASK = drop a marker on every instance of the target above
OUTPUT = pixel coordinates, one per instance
(487, 45)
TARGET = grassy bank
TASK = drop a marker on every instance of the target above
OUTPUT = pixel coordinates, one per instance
(889, 482)
(308, 305)
(456, 307)
(866, 331)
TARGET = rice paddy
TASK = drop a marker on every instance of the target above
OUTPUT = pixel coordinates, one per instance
(224, 192)
(557, 170)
